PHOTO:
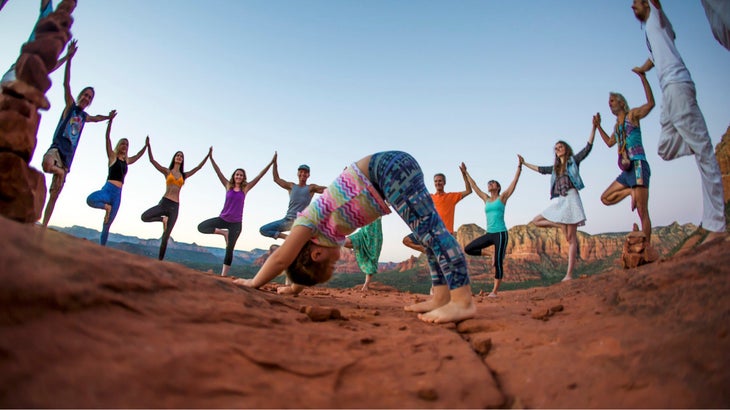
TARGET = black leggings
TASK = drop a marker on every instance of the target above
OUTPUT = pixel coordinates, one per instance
(499, 240)
(234, 230)
(168, 208)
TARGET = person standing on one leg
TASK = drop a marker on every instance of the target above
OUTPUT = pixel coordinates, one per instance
(110, 196)
(497, 234)
(228, 224)
(300, 195)
(567, 211)
(634, 178)
(684, 131)
(57, 160)
(167, 210)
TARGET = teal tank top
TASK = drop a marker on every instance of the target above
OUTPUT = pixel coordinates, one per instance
(495, 216)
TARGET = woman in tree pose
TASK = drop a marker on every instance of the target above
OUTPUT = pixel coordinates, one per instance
(497, 234)
(567, 211)
(228, 223)
(109, 197)
(166, 211)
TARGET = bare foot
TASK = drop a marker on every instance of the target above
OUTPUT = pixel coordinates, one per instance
(713, 236)
(651, 254)
(108, 209)
(492, 295)
(440, 298)
(567, 278)
(426, 306)
(164, 223)
(450, 312)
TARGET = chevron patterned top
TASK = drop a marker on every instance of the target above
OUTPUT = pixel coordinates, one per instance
(350, 202)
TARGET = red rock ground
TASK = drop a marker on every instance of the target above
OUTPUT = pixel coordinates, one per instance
(85, 326)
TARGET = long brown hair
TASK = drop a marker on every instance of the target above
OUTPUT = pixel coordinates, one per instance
(558, 166)
(232, 182)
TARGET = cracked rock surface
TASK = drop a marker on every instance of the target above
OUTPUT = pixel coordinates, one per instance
(86, 326)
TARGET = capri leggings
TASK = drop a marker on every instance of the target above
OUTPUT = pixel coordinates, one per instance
(234, 230)
(109, 194)
(398, 177)
(168, 208)
(499, 240)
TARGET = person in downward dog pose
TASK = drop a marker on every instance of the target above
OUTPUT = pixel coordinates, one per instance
(228, 223)
(355, 199)
(566, 212)
(109, 197)
(497, 234)
(167, 210)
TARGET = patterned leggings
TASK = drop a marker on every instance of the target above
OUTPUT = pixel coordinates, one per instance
(398, 177)
(499, 240)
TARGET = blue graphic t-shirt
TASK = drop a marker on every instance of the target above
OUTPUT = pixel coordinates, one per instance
(67, 135)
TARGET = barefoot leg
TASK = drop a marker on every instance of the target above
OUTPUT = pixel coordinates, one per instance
(460, 307)
(440, 298)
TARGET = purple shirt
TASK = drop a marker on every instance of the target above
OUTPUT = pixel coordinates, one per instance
(233, 208)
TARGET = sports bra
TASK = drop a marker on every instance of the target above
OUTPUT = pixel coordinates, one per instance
(171, 180)
(117, 171)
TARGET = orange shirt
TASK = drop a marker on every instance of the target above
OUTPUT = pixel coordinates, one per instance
(445, 206)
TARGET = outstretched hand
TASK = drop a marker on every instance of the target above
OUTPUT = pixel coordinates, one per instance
(71, 50)
(147, 141)
(520, 160)
(462, 167)
(597, 120)
(112, 114)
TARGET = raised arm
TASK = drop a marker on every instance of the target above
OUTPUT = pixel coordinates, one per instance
(511, 188)
(282, 183)
(528, 165)
(281, 259)
(481, 194)
(109, 150)
(69, 53)
(196, 169)
(648, 65)
(467, 185)
(131, 160)
(164, 171)
(97, 118)
(218, 172)
(258, 177)
(67, 94)
(640, 112)
(609, 140)
(317, 189)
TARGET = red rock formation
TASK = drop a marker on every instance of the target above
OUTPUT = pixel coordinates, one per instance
(534, 252)
(22, 188)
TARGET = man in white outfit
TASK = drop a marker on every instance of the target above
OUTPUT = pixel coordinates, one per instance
(684, 131)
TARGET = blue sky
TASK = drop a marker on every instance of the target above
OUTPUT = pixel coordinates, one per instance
(328, 82)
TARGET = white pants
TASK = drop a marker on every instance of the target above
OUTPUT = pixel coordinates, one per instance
(684, 132)
(718, 15)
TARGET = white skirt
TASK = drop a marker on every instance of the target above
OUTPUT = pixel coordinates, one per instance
(566, 209)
